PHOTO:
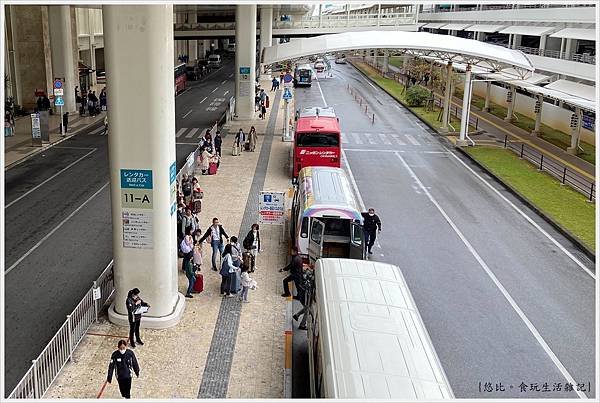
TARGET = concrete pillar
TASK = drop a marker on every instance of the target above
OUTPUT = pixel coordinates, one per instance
(320, 15)
(516, 41)
(386, 61)
(542, 47)
(206, 47)
(193, 44)
(511, 103)
(138, 41)
(464, 119)
(375, 51)
(575, 133)
(266, 30)
(447, 97)
(568, 48)
(245, 59)
(378, 14)
(562, 47)
(61, 42)
(538, 115)
(92, 45)
(488, 89)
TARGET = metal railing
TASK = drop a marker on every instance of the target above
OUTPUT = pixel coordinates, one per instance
(554, 54)
(46, 367)
(492, 7)
(543, 162)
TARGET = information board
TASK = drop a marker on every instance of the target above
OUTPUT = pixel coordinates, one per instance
(137, 229)
(271, 208)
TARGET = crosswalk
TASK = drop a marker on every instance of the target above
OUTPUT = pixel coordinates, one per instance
(189, 133)
(388, 139)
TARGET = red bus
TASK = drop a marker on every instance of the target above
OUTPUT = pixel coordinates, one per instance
(317, 139)
(180, 78)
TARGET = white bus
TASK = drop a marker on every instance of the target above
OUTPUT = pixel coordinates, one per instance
(366, 338)
(326, 220)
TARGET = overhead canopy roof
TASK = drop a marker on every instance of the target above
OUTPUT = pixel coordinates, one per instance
(527, 30)
(485, 28)
(456, 27)
(573, 88)
(585, 104)
(434, 25)
(442, 48)
(576, 33)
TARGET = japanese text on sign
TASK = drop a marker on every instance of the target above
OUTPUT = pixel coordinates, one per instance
(271, 208)
(136, 178)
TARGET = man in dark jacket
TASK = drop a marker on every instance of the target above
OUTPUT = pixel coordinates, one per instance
(123, 361)
(216, 234)
(65, 122)
(133, 302)
(218, 142)
(295, 269)
(371, 225)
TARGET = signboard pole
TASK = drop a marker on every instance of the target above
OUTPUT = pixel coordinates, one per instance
(60, 119)
(286, 118)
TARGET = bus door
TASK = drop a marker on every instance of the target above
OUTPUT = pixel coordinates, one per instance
(315, 240)
(357, 241)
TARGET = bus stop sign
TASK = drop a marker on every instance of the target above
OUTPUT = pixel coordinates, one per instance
(287, 95)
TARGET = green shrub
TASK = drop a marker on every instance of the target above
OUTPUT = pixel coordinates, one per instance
(416, 95)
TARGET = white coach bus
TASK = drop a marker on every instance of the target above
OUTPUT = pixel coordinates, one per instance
(366, 338)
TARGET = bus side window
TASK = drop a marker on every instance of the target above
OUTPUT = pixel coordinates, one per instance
(357, 235)
(304, 228)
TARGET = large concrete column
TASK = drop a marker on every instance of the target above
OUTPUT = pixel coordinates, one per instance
(538, 115)
(542, 47)
(511, 103)
(447, 97)
(193, 44)
(92, 45)
(386, 61)
(464, 119)
(205, 47)
(138, 44)
(575, 129)
(61, 42)
(488, 89)
(266, 30)
(568, 48)
(245, 60)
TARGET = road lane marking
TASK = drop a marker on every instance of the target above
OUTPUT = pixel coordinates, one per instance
(41, 241)
(186, 115)
(50, 178)
(412, 140)
(97, 130)
(344, 138)
(203, 100)
(223, 82)
(398, 140)
(529, 219)
(375, 88)
(370, 138)
(385, 139)
(322, 96)
(226, 92)
(497, 282)
(180, 132)
(361, 203)
(357, 138)
(214, 90)
(231, 75)
(192, 133)
(367, 150)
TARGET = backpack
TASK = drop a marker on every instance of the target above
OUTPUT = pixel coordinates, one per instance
(187, 188)
(248, 241)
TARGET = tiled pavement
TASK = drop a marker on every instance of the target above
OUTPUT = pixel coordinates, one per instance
(258, 358)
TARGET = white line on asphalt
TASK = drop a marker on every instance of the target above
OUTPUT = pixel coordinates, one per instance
(191, 133)
(370, 138)
(185, 144)
(366, 150)
(186, 115)
(397, 138)
(322, 96)
(498, 284)
(50, 178)
(214, 90)
(204, 99)
(361, 203)
(180, 132)
(529, 219)
(37, 245)
(231, 75)
(412, 140)
(226, 92)
(74, 148)
(375, 88)
(357, 138)
(385, 139)
(223, 82)
(97, 130)
(344, 138)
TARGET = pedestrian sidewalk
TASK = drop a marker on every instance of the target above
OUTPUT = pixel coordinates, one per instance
(19, 147)
(498, 128)
(239, 346)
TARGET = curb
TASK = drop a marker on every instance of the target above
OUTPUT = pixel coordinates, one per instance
(44, 148)
(288, 335)
(582, 247)
(566, 233)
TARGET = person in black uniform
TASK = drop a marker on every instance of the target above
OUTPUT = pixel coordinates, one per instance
(123, 361)
(133, 302)
(371, 225)
(295, 268)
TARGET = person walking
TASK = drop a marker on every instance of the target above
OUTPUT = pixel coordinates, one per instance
(247, 284)
(252, 244)
(122, 362)
(274, 83)
(218, 142)
(133, 302)
(227, 268)
(263, 111)
(302, 289)
(65, 122)
(240, 139)
(191, 276)
(216, 232)
(83, 104)
(103, 99)
(252, 138)
(372, 225)
(295, 269)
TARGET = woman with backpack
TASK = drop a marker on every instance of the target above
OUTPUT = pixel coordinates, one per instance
(252, 244)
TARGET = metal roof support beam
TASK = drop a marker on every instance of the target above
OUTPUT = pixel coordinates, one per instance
(447, 97)
(464, 119)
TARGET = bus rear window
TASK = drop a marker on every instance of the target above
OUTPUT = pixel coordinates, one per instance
(317, 140)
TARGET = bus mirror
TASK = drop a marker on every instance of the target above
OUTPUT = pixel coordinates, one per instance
(294, 181)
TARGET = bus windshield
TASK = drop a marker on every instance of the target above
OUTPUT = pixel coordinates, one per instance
(317, 140)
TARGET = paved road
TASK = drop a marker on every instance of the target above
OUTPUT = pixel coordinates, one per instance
(58, 225)
(502, 302)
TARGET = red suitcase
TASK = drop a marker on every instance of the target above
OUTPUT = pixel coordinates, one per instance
(199, 283)
(212, 168)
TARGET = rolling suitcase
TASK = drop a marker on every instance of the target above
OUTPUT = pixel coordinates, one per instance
(212, 168)
(199, 283)
(235, 151)
(197, 206)
(247, 146)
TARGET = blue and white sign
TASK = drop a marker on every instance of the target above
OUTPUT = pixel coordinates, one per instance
(244, 70)
(136, 179)
(59, 101)
(57, 83)
(287, 95)
(172, 173)
(287, 78)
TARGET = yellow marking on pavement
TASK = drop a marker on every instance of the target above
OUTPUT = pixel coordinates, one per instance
(288, 349)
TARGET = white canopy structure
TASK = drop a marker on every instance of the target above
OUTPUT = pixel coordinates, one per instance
(442, 48)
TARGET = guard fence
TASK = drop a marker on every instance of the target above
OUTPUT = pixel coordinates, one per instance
(46, 367)
(543, 162)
